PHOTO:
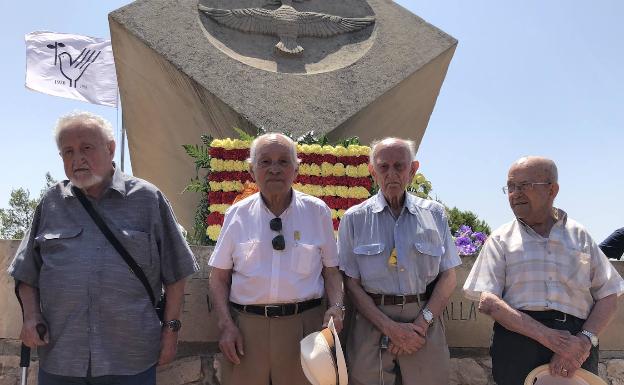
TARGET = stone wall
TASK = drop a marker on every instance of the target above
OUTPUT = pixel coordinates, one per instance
(468, 334)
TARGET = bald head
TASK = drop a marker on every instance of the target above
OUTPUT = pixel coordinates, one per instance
(541, 168)
(399, 144)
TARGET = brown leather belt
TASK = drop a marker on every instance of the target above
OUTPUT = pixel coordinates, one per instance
(280, 310)
(389, 299)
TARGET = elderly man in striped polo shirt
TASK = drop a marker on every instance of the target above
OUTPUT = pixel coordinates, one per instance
(544, 281)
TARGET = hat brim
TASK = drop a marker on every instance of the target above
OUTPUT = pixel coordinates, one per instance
(581, 376)
(343, 377)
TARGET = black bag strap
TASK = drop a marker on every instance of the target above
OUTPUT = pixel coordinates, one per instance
(136, 269)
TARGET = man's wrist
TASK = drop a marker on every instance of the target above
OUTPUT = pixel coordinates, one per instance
(173, 325)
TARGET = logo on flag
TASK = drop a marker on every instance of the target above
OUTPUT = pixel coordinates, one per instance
(71, 66)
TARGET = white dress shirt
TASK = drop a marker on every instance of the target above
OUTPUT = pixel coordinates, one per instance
(262, 275)
(565, 271)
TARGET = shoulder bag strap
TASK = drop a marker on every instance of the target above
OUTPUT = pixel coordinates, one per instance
(136, 269)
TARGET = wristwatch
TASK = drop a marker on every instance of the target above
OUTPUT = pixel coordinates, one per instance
(427, 315)
(174, 325)
(592, 337)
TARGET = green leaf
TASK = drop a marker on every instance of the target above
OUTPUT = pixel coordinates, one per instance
(243, 135)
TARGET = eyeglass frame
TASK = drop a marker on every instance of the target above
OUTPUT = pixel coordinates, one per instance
(524, 186)
(276, 225)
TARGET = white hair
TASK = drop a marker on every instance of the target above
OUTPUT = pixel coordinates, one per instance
(405, 143)
(273, 135)
(65, 121)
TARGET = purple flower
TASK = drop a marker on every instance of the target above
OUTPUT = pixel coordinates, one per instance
(464, 231)
(467, 249)
(480, 237)
(462, 241)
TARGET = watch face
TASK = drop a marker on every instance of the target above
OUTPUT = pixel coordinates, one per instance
(174, 325)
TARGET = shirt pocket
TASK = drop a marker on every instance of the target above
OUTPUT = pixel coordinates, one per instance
(372, 260)
(246, 257)
(137, 244)
(305, 258)
(426, 258)
(577, 271)
(59, 247)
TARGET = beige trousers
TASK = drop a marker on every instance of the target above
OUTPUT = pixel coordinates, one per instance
(370, 365)
(271, 346)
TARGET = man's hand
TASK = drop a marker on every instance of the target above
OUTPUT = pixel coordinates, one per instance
(338, 314)
(406, 338)
(566, 366)
(569, 347)
(168, 346)
(29, 334)
(231, 343)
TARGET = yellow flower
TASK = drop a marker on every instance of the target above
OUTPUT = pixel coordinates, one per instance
(334, 214)
(213, 232)
(351, 171)
(220, 208)
(342, 191)
(216, 164)
(340, 213)
(327, 169)
(358, 192)
(214, 186)
(216, 143)
(329, 190)
(315, 149)
(339, 169)
(340, 151)
(327, 149)
(315, 170)
(362, 170)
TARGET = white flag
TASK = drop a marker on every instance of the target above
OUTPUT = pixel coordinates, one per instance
(71, 66)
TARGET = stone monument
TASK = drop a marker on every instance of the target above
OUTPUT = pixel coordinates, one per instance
(340, 68)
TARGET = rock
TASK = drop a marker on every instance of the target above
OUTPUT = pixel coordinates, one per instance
(180, 372)
(471, 373)
(602, 371)
(454, 378)
(615, 371)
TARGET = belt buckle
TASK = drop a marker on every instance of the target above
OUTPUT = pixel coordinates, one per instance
(565, 318)
(266, 308)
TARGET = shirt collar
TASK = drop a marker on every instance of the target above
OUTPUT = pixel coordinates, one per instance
(380, 203)
(117, 183)
(562, 218)
(266, 209)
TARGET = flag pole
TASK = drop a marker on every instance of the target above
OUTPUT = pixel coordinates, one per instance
(123, 139)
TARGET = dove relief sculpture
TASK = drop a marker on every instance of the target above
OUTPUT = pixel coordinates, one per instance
(286, 23)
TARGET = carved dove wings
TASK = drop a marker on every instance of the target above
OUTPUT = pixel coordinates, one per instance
(287, 23)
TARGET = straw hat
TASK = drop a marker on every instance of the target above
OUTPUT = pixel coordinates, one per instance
(321, 364)
(541, 376)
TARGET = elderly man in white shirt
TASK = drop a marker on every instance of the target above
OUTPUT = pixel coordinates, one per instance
(544, 281)
(275, 259)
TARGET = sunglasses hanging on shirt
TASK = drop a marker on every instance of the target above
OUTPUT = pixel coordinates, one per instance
(278, 242)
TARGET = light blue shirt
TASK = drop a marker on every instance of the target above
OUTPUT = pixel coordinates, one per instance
(424, 247)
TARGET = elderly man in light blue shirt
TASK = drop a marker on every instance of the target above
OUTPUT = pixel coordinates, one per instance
(398, 255)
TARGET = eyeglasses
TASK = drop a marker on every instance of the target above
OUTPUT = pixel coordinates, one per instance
(279, 243)
(522, 187)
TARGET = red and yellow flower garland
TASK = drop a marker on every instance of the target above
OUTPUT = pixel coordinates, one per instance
(338, 175)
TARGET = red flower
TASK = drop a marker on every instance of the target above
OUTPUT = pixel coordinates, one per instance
(214, 218)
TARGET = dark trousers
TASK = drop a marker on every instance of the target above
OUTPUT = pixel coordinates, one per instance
(515, 355)
(147, 377)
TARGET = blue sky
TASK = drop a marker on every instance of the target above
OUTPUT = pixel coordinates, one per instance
(528, 77)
